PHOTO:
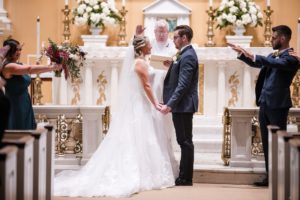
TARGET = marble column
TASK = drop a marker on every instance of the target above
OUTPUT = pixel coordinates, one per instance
(63, 96)
(221, 87)
(114, 84)
(88, 84)
(247, 90)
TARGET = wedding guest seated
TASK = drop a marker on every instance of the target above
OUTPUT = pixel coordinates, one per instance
(17, 77)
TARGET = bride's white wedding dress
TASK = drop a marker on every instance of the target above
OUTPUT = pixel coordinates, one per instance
(135, 155)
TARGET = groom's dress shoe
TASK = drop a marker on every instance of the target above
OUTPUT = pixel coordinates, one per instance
(263, 183)
(183, 182)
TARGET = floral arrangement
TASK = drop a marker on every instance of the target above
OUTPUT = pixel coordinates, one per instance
(70, 56)
(238, 13)
(95, 13)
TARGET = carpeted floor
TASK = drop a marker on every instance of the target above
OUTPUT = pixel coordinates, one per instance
(196, 192)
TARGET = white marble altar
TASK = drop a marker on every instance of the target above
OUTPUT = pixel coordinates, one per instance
(91, 129)
(241, 134)
(227, 81)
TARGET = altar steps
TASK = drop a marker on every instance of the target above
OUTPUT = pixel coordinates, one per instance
(209, 168)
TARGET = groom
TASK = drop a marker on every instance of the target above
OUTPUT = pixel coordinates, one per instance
(180, 96)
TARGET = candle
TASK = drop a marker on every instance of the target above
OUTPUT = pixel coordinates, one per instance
(268, 2)
(210, 3)
(298, 37)
(38, 51)
(123, 2)
(66, 2)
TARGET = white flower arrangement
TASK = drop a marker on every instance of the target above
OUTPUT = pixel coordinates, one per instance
(95, 13)
(238, 13)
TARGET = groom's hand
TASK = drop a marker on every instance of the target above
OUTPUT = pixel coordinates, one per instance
(165, 109)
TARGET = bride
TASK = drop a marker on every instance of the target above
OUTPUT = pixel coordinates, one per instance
(136, 154)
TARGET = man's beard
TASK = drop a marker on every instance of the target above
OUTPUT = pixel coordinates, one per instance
(277, 46)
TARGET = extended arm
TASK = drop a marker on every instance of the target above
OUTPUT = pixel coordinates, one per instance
(244, 55)
(16, 69)
(285, 62)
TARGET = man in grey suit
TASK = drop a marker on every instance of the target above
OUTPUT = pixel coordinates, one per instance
(180, 96)
(273, 84)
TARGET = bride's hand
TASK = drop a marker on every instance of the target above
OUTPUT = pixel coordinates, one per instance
(158, 106)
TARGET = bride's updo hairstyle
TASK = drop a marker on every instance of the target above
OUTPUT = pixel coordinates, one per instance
(138, 43)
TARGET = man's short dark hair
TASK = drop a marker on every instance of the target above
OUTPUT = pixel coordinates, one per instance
(283, 30)
(185, 30)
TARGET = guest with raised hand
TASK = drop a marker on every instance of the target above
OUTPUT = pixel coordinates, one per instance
(17, 77)
(273, 84)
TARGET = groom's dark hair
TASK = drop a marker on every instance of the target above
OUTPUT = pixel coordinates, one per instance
(185, 30)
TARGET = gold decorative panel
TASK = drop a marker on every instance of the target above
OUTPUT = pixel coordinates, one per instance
(201, 89)
(233, 85)
(101, 82)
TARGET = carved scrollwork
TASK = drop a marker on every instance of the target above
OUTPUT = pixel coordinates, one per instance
(256, 147)
(226, 145)
(106, 120)
(102, 82)
(233, 84)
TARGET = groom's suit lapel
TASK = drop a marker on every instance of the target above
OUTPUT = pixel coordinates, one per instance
(174, 63)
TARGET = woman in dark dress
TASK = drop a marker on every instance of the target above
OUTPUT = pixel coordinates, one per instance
(17, 77)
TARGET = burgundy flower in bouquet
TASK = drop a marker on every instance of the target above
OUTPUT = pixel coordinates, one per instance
(59, 56)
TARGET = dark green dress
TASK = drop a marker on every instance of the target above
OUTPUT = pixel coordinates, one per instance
(21, 112)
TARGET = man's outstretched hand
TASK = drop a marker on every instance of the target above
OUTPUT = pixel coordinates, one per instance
(240, 50)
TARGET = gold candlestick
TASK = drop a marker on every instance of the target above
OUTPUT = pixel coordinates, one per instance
(268, 23)
(66, 22)
(37, 89)
(210, 28)
(122, 34)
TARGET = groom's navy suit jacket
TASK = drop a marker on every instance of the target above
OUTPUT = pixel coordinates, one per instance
(275, 78)
(181, 83)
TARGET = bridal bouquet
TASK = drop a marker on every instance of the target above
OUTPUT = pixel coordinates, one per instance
(238, 13)
(70, 56)
(95, 13)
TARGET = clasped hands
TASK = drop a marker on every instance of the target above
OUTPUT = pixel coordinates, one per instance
(164, 109)
(240, 50)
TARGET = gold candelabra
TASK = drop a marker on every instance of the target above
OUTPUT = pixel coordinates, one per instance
(210, 28)
(37, 89)
(66, 22)
(122, 34)
(268, 23)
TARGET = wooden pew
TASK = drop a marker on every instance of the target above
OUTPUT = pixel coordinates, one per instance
(273, 161)
(284, 163)
(24, 163)
(295, 169)
(8, 173)
(50, 161)
(40, 160)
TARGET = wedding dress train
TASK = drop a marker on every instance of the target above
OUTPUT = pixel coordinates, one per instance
(136, 154)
